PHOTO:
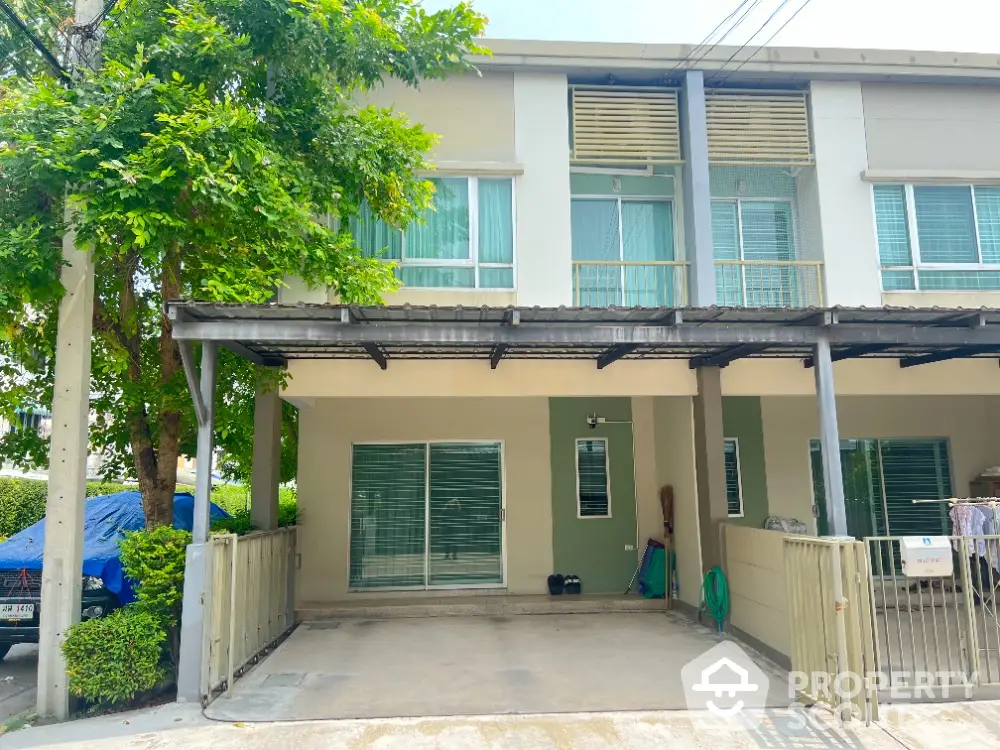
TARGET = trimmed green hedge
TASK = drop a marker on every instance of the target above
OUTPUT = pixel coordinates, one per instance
(22, 502)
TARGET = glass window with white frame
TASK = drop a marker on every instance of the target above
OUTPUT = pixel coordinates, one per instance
(753, 241)
(465, 242)
(734, 482)
(593, 491)
(938, 237)
(623, 252)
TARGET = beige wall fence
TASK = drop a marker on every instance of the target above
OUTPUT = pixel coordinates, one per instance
(806, 602)
(758, 597)
(252, 596)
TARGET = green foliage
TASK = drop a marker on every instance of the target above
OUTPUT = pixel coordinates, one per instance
(110, 660)
(235, 500)
(154, 559)
(194, 163)
(22, 501)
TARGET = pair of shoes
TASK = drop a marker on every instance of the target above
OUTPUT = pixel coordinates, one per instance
(571, 584)
(556, 583)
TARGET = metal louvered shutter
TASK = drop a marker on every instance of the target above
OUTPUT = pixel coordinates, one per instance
(750, 127)
(466, 514)
(388, 516)
(620, 125)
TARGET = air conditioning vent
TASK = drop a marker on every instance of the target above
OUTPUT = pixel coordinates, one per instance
(620, 125)
(751, 127)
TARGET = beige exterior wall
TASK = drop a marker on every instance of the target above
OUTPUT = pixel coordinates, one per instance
(931, 126)
(327, 431)
(790, 422)
(844, 211)
(414, 378)
(472, 114)
(673, 420)
(758, 596)
(966, 300)
(862, 377)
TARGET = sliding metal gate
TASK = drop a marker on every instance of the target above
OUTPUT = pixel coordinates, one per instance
(936, 637)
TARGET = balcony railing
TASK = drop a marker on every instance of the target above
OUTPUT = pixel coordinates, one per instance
(659, 283)
(767, 283)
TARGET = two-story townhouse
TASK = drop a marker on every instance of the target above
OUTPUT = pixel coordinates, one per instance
(608, 187)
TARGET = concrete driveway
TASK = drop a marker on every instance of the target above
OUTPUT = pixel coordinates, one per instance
(460, 666)
(18, 681)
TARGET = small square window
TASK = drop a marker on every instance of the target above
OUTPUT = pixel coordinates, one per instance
(592, 495)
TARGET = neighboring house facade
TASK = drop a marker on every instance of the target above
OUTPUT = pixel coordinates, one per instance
(592, 175)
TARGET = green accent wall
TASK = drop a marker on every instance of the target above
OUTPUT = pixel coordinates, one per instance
(593, 548)
(631, 185)
(741, 420)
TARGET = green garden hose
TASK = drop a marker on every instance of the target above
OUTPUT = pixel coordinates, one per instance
(715, 596)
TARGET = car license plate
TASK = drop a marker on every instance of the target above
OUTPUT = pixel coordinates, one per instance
(17, 611)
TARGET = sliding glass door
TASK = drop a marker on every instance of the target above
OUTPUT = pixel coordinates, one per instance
(882, 478)
(426, 515)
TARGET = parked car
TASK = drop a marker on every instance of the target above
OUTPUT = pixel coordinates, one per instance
(105, 587)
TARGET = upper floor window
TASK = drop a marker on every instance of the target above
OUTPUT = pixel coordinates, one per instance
(938, 237)
(623, 252)
(466, 242)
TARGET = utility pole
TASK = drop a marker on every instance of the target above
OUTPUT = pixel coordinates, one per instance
(62, 557)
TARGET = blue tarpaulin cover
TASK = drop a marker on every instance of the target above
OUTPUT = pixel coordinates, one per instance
(107, 517)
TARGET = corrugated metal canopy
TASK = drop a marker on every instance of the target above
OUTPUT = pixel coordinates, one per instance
(272, 334)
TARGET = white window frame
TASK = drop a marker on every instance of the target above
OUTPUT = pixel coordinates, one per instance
(916, 264)
(607, 474)
(739, 222)
(472, 183)
(739, 477)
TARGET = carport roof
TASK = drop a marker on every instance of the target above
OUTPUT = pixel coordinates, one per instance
(274, 333)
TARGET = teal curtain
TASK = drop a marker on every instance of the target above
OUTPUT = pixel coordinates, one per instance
(496, 221)
(891, 226)
(496, 278)
(375, 237)
(444, 235)
(438, 277)
(596, 237)
(648, 228)
(945, 224)
(988, 215)
(726, 246)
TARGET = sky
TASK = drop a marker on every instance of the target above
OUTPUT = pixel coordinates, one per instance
(946, 25)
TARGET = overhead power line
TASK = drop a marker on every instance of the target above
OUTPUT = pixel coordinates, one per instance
(708, 36)
(739, 22)
(781, 6)
(18, 23)
(767, 41)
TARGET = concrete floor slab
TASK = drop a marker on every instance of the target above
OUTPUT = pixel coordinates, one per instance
(18, 681)
(476, 665)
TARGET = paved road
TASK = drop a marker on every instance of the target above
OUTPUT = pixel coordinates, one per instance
(18, 679)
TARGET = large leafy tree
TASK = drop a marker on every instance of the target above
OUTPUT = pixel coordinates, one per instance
(196, 164)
